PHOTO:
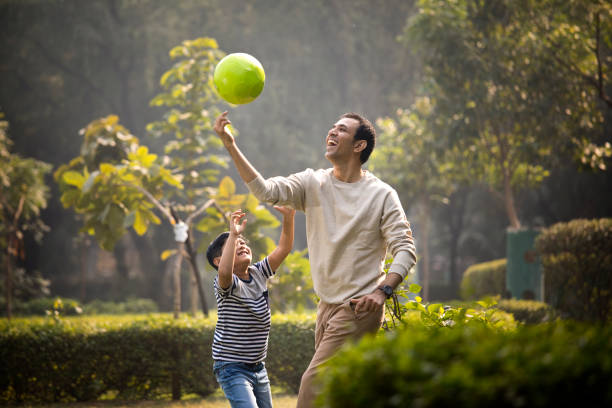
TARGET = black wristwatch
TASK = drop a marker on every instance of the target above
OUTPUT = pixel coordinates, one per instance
(387, 290)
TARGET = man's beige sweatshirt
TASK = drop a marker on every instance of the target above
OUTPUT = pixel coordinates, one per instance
(349, 228)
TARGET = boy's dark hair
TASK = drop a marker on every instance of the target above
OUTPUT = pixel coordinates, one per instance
(215, 248)
(366, 132)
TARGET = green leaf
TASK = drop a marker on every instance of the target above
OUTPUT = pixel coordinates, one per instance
(73, 178)
(140, 223)
(227, 187)
(106, 168)
(414, 288)
(435, 308)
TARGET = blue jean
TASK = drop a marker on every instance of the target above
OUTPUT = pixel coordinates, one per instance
(244, 385)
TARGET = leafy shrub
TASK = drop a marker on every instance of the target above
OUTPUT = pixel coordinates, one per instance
(130, 306)
(484, 279)
(129, 357)
(527, 311)
(290, 349)
(42, 307)
(410, 312)
(560, 364)
(576, 261)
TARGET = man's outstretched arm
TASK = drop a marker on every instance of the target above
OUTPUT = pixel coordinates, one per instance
(277, 190)
(245, 169)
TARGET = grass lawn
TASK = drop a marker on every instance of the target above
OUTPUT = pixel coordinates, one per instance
(280, 399)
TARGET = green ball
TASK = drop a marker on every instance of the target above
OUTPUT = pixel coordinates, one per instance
(239, 78)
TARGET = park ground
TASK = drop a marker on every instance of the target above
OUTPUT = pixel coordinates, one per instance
(217, 400)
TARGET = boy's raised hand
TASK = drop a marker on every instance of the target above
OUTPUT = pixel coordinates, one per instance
(236, 227)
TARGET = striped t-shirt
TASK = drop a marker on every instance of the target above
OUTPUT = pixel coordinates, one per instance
(243, 317)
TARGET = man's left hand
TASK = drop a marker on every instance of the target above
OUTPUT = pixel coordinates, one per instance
(369, 303)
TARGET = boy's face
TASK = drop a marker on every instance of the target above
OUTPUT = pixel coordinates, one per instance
(243, 253)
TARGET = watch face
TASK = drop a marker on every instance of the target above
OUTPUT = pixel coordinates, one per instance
(387, 290)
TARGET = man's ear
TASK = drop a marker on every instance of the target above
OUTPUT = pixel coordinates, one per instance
(359, 145)
(216, 261)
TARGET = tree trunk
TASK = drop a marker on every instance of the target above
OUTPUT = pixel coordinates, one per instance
(83, 264)
(196, 275)
(176, 274)
(509, 202)
(8, 284)
(122, 269)
(456, 217)
(424, 262)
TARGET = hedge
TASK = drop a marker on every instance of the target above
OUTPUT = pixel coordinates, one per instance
(484, 279)
(527, 311)
(72, 307)
(576, 259)
(131, 357)
(548, 365)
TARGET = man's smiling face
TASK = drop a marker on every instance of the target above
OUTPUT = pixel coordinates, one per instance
(340, 138)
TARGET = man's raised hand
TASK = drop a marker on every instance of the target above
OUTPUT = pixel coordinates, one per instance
(220, 122)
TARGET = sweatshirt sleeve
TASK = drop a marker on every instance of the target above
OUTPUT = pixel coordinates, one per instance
(398, 236)
(281, 190)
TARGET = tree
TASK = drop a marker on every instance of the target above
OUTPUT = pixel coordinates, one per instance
(572, 43)
(291, 287)
(117, 184)
(190, 99)
(23, 194)
(478, 67)
(411, 157)
(189, 92)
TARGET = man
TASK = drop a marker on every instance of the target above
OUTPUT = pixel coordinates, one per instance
(352, 220)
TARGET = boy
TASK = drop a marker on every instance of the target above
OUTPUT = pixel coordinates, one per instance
(243, 323)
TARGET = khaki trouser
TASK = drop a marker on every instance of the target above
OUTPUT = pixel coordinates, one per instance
(336, 324)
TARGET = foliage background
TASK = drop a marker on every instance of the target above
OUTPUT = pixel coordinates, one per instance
(66, 63)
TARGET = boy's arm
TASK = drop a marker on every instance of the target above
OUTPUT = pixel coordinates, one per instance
(226, 264)
(285, 242)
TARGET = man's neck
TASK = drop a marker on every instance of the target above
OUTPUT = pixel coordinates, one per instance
(349, 173)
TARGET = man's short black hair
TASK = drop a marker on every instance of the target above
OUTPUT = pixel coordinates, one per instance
(215, 248)
(366, 132)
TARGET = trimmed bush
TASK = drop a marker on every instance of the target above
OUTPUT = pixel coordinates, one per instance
(548, 365)
(130, 306)
(290, 349)
(576, 261)
(484, 279)
(130, 357)
(527, 311)
(40, 307)
(71, 307)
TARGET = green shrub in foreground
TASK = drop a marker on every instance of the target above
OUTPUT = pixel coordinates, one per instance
(557, 364)
(130, 357)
